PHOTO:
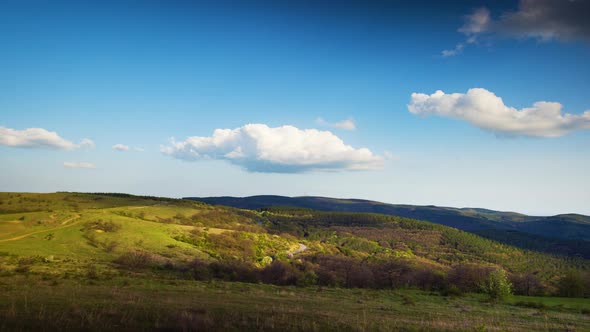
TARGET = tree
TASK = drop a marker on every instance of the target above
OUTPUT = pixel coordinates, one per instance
(527, 284)
(572, 284)
(497, 286)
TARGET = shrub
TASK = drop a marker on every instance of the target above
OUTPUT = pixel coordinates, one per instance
(105, 226)
(137, 259)
(451, 290)
(530, 304)
(309, 278)
(92, 272)
(199, 270)
(279, 273)
(497, 286)
(527, 284)
(571, 284)
(469, 277)
(109, 246)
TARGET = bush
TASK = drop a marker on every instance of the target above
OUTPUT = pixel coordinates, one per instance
(199, 270)
(279, 273)
(451, 290)
(309, 278)
(527, 284)
(497, 286)
(469, 277)
(530, 304)
(105, 226)
(137, 259)
(572, 284)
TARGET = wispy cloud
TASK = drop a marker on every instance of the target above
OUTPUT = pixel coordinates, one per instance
(454, 51)
(285, 149)
(487, 111)
(547, 20)
(39, 138)
(476, 23)
(347, 124)
(126, 148)
(544, 20)
(120, 147)
(70, 164)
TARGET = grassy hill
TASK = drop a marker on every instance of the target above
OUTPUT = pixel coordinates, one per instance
(567, 234)
(270, 269)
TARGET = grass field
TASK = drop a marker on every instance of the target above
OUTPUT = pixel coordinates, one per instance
(43, 303)
(59, 271)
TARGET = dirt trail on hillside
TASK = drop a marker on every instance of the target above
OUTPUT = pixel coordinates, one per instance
(302, 248)
(136, 207)
(45, 230)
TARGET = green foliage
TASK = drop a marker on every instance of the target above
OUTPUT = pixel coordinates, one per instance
(358, 250)
(104, 226)
(572, 284)
(497, 286)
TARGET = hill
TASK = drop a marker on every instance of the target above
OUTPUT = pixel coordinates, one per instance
(566, 234)
(127, 249)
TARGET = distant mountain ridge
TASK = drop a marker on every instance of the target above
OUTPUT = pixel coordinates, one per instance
(566, 233)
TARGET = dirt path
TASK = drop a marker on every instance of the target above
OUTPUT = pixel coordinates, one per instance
(136, 207)
(302, 248)
(45, 230)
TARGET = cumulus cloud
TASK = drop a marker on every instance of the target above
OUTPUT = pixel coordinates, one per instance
(487, 111)
(285, 149)
(540, 19)
(120, 147)
(70, 164)
(39, 138)
(347, 124)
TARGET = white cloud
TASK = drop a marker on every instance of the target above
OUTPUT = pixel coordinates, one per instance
(485, 110)
(347, 124)
(285, 149)
(39, 138)
(120, 147)
(69, 164)
(452, 52)
(477, 22)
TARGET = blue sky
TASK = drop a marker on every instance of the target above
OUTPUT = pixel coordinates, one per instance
(139, 73)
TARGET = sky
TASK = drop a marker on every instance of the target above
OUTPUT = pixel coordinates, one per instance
(464, 104)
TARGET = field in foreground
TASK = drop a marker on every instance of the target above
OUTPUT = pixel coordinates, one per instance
(71, 261)
(30, 303)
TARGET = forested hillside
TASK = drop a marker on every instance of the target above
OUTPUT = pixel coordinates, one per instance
(567, 234)
(126, 249)
(277, 245)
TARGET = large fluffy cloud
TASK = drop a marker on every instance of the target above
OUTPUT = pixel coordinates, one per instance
(485, 110)
(38, 138)
(285, 149)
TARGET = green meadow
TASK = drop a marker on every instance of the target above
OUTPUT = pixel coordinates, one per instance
(100, 262)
